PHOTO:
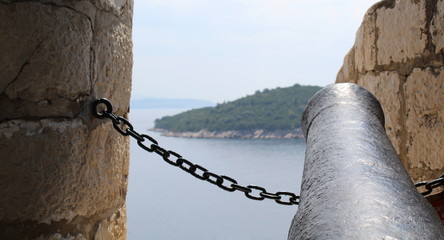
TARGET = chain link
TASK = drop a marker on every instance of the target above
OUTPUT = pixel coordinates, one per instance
(125, 128)
(429, 186)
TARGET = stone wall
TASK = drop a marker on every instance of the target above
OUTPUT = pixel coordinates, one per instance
(63, 173)
(398, 56)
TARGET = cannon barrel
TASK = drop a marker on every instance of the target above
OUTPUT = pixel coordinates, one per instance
(354, 185)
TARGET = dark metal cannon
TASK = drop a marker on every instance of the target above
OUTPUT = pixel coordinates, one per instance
(354, 185)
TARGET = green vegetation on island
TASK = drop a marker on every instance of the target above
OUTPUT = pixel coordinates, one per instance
(269, 110)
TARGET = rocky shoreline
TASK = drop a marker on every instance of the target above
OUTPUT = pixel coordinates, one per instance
(235, 134)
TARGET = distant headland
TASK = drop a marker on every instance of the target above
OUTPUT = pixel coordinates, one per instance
(267, 114)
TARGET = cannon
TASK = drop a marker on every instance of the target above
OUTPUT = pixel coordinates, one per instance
(354, 185)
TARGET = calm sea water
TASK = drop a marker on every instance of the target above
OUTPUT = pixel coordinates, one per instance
(166, 203)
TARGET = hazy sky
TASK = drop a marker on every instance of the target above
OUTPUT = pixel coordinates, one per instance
(221, 50)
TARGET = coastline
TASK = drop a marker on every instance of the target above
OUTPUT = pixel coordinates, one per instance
(235, 134)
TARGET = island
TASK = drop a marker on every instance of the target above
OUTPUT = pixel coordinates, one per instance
(268, 114)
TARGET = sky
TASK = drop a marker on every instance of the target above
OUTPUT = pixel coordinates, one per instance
(222, 50)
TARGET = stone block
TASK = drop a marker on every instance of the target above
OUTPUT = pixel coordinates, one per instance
(385, 86)
(32, 55)
(424, 96)
(401, 32)
(57, 170)
(405, 75)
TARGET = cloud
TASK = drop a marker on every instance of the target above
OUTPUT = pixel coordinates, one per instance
(205, 47)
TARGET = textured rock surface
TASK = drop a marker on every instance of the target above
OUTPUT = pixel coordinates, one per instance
(385, 85)
(437, 28)
(63, 174)
(398, 57)
(424, 99)
(400, 35)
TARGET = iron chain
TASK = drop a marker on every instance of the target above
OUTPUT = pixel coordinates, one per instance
(125, 128)
(429, 186)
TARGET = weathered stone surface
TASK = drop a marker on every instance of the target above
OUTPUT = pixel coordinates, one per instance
(365, 44)
(406, 38)
(45, 50)
(385, 87)
(59, 170)
(348, 73)
(424, 92)
(34, 173)
(400, 30)
(63, 173)
(112, 59)
(59, 236)
(115, 6)
(111, 228)
(437, 28)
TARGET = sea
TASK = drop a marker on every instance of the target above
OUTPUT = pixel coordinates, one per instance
(166, 203)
